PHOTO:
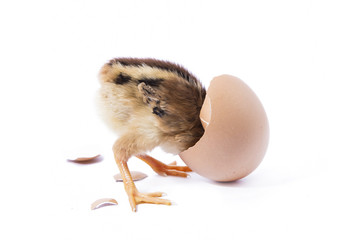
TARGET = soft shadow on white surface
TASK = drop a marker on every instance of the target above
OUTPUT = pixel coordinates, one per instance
(260, 180)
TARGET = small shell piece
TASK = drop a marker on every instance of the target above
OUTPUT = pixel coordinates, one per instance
(103, 202)
(136, 176)
(86, 159)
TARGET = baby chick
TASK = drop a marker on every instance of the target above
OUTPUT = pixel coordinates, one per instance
(150, 103)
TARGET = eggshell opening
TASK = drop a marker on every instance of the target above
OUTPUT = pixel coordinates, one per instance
(236, 132)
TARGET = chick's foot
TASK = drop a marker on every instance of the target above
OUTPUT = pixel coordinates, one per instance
(164, 169)
(135, 198)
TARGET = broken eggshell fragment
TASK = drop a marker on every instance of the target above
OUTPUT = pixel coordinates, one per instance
(93, 159)
(136, 176)
(103, 202)
(236, 132)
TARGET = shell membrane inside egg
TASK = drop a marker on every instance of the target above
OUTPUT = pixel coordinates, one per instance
(205, 113)
(236, 132)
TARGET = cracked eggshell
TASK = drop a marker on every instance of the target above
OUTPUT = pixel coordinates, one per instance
(236, 132)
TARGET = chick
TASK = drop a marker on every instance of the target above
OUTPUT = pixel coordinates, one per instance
(150, 103)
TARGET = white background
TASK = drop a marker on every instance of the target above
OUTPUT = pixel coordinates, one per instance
(50, 54)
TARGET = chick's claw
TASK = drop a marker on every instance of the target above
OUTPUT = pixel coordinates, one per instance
(173, 165)
(154, 194)
(170, 172)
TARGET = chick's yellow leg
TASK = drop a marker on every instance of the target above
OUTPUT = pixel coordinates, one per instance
(135, 197)
(164, 169)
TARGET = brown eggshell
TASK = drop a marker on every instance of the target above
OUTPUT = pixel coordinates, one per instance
(236, 132)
